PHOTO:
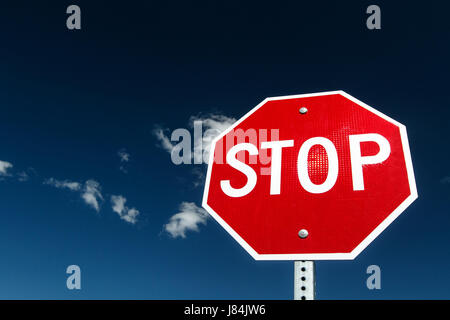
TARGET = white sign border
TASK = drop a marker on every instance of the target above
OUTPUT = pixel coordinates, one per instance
(317, 256)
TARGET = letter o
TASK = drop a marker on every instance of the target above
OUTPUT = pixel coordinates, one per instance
(302, 165)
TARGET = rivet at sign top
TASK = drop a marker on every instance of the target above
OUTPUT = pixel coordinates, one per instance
(303, 233)
(303, 110)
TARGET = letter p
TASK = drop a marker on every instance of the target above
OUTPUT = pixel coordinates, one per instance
(358, 160)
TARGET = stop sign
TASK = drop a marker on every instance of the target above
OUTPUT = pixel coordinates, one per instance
(309, 177)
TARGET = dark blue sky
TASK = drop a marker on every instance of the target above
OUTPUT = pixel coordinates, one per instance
(70, 100)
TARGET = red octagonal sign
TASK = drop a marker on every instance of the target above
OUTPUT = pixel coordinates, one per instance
(309, 177)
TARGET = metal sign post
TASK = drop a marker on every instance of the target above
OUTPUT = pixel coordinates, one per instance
(304, 280)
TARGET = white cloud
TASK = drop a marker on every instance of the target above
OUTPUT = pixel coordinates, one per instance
(22, 176)
(125, 213)
(214, 121)
(131, 216)
(191, 216)
(188, 219)
(91, 194)
(4, 168)
(26, 175)
(118, 204)
(213, 124)
(164, 140)
(63, 184)
(123, 169)
(199, 174)
(123, 155)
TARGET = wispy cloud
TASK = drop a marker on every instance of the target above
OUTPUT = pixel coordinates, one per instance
(92, 195)
(63, 184)
(213, 124)
(163, 138)
(23, 176)
(124, 156)
(191, 216)
(5, 166)
(188, 219)
(199, 174)
(118, 206)
(90, 191)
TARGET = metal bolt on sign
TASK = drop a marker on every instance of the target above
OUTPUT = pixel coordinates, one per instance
(303, 110)
(303, 233)
(304, 280)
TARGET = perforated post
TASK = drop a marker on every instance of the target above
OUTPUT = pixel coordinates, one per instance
(304, 280)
